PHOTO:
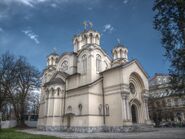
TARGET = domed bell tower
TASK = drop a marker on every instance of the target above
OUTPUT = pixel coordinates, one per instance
(52, 59)
(86, 38)
(120, 55)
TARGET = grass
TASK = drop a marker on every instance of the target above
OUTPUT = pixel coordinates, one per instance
(13, 134)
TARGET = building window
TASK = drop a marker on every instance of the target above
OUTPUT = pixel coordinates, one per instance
(132, 88)
(80, 109)
(107, 109)
(84, 63)
(64, 66)
(98, 63)
(100, 109)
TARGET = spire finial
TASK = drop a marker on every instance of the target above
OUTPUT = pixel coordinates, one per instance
(54, 49)
(85, 24)
(90, 24)
(118, 40)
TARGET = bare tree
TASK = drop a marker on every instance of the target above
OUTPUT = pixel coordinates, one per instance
(7, 77)
(19, 80)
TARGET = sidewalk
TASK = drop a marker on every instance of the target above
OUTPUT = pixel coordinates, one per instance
(161, 133)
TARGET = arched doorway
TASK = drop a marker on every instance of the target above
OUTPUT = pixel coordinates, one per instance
(68, 121)
(134, 114)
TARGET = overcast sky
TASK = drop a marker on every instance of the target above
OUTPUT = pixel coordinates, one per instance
(32, 28)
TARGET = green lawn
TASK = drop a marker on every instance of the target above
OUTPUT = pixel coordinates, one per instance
(13, 134)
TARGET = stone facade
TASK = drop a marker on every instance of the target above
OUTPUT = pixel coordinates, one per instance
(87, 91)
(166, 107)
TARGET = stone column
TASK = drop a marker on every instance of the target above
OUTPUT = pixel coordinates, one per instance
(147, 119)
(126, 116)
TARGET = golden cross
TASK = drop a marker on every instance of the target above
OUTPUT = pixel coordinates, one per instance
(91, 24)
(85, 25)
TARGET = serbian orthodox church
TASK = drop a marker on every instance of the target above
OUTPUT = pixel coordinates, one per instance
(88, 91)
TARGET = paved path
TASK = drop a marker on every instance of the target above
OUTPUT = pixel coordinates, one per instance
(160, 133)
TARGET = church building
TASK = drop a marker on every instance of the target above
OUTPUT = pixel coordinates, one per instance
(88, 91)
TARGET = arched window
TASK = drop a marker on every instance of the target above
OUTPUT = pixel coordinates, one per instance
(97, 39)
(132, 88)
(98, 63)
(121, 53)
(80, 108)
(91, 38)
(52, 92)
(100, 109)
(84, 63)
(69, 109)
(64, 66)
(115, 54)
(52, 61)
(85, 39)
(58, 91)
(107, 109)
(76, 43)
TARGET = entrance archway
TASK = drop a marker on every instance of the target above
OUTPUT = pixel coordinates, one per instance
(134, 114)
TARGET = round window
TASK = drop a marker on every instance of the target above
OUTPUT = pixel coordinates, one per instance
(132, 88)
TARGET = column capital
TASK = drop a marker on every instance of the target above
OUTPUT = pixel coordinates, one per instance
(125, 94)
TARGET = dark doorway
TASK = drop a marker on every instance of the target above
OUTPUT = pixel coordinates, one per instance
(68, 121)
(134, 114)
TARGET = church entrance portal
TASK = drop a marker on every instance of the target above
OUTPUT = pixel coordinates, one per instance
(134, 114)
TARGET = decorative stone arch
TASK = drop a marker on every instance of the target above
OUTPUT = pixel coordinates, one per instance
(135, 109)
(138, 83)
(65, 65)
(61, 60)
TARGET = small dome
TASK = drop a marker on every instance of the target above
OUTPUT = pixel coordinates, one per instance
(53, 54)
(120, 54)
